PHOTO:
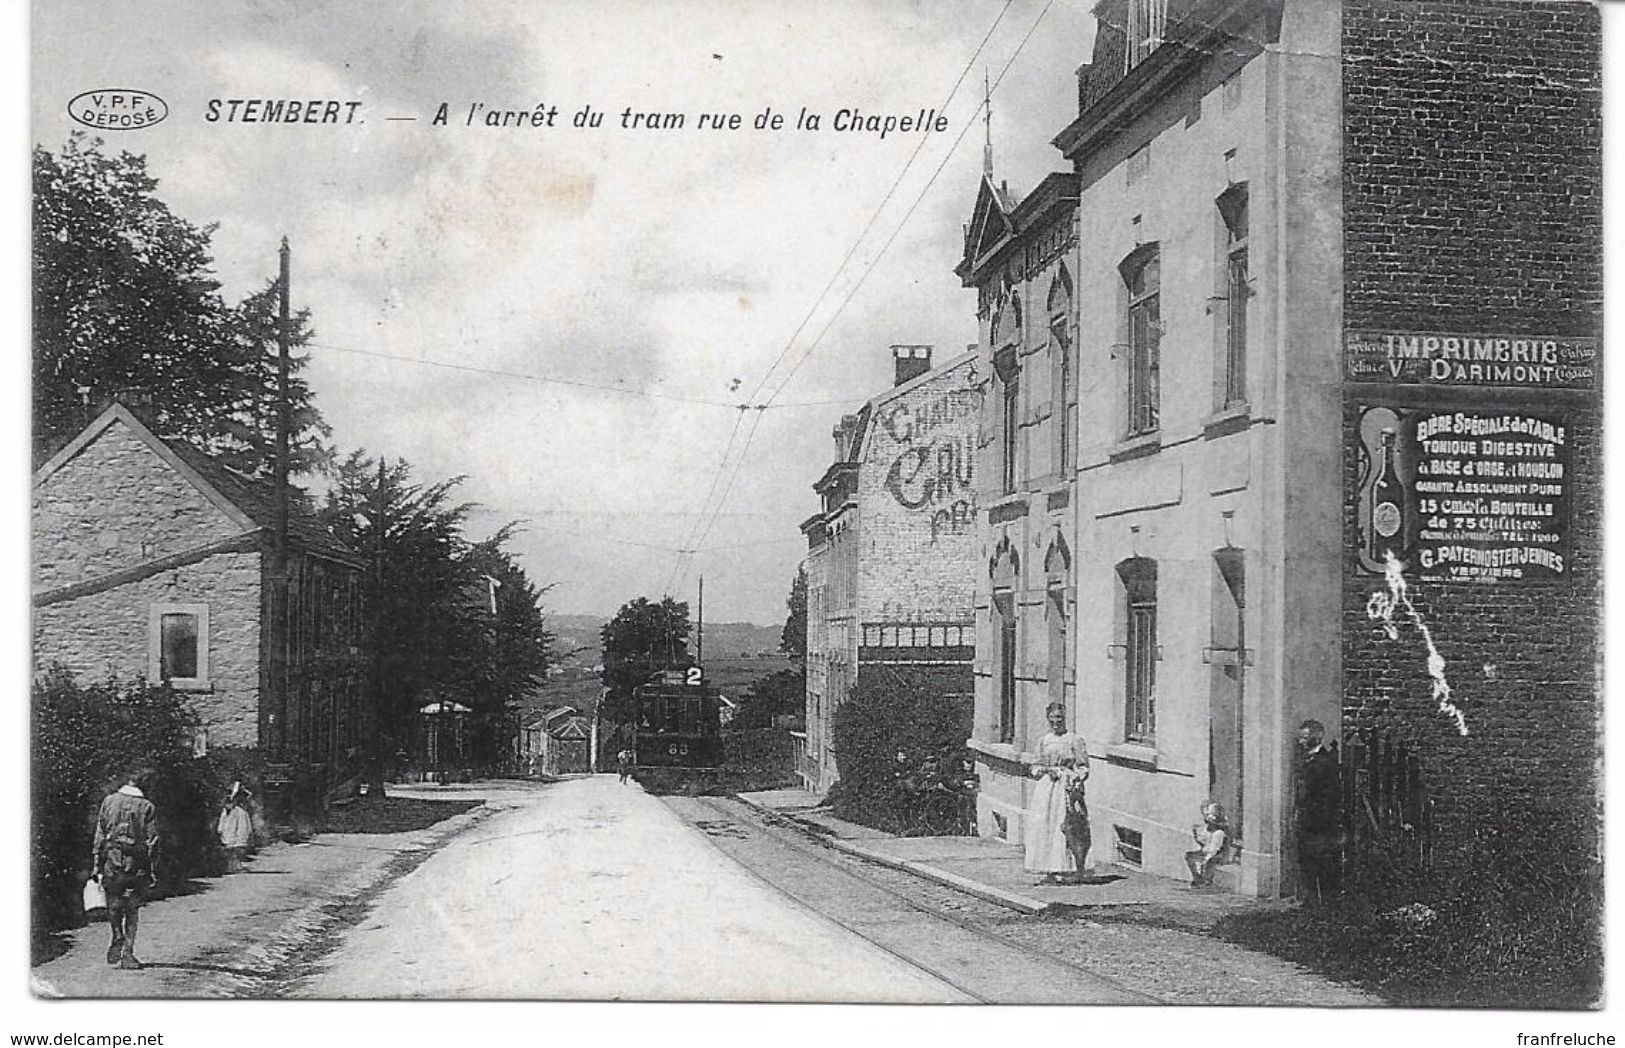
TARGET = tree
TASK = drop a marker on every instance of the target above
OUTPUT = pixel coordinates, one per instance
(126, 305)
(779, 694)
(504, 645)
(793, 641)
(242, 429)
(641, 639)
(887, 728)
(431, 594)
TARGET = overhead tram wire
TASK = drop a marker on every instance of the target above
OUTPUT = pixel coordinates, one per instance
(875, 214)
(948, 155)
(678, 564)
(807, 352)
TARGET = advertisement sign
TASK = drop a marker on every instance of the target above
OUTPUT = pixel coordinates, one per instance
(1464, 495)
(1456, 359)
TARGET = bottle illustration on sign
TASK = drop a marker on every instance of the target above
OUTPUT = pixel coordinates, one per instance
(1387, 532)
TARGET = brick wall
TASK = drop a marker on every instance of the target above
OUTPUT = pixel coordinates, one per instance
(917, 494)
(1472, 192)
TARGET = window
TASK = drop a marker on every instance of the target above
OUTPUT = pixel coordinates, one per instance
(1233, 213)
(1056, 606)
(178, 645)
(1057, 567)
(1147, 21)
(1060, 310)
(1142, 277)
(1011, 433)
(1005, 606)
(1139, 589)
(1130, 845)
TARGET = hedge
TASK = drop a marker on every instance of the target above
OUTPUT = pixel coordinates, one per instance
(85, 739)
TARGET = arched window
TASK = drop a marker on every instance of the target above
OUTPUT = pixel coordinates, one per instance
(1005, 568)
(1059, 308)
(1142, 278)
(1234, 288)
(1057, 575)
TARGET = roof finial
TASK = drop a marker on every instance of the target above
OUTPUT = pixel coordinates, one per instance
(987, 124)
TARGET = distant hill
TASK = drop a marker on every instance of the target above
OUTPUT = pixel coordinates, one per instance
(732, 640)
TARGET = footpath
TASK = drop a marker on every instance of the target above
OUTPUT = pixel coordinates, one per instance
(244, 934)
(992, 869)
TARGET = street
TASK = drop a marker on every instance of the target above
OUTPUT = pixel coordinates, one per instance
(588, 889)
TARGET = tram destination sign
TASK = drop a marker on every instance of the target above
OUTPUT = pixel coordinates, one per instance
(1439, 358)
(1491, 495)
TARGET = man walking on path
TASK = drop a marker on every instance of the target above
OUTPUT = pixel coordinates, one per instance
(122, 854)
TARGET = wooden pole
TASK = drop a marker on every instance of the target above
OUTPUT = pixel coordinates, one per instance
(279, 556)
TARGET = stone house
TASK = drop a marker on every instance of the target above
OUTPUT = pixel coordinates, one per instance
(889, 584)
(152, 560)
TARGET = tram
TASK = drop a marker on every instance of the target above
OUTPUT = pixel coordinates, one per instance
(677, 743)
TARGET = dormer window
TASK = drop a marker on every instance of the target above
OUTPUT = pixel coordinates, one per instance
(1147, 21)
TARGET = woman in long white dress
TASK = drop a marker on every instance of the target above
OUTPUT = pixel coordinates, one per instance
(1056, 833)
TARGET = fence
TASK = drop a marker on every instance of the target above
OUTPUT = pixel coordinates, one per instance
(1387, 810)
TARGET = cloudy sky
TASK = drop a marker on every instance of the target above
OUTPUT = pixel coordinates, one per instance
(451, 269)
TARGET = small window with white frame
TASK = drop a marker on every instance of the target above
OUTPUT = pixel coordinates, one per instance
(178, 645)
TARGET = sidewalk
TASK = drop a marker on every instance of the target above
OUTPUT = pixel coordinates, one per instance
(235, 935)
(992, 869)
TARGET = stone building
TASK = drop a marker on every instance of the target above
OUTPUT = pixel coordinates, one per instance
(1021, 258)
(152, 560)
(1332, 259)
(888, 556)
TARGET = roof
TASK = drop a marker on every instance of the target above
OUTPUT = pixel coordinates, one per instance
(997, 224)
(250, 502)
(1109, 92)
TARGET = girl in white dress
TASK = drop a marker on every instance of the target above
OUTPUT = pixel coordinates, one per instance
(1056, 834)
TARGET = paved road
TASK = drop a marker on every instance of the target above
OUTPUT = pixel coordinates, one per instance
(588, 889)
(983, 963)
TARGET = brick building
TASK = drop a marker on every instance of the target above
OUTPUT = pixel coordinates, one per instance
(889, 585)
(152, 560)
(1332, 260)
(1472, 310)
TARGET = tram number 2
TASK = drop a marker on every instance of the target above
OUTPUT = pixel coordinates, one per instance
(695, 678)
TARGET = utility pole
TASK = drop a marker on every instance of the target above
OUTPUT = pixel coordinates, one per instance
(699, 647)
(380, 755)
(279, 550)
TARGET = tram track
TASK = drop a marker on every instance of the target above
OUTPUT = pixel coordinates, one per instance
(977, 961)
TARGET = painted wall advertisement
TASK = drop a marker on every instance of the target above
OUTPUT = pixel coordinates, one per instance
(1476, 495)
(1454, 359)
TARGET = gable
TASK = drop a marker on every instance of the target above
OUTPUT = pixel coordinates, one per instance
(114, 501)
(989, 227)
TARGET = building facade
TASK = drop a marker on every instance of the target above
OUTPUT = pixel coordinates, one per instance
(1206, 150)
(888, 580)
(151, 560)
(1022, 259)
(1336, 302)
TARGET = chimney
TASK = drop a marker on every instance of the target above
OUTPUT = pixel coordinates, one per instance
(911, 361)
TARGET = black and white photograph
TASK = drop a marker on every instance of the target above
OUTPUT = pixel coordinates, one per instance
(1003, 502)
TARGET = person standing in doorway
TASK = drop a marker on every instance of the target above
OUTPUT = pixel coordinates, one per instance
(1319, 796)
(124, 852)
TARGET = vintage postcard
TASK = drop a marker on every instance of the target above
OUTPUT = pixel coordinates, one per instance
(1008, 502)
